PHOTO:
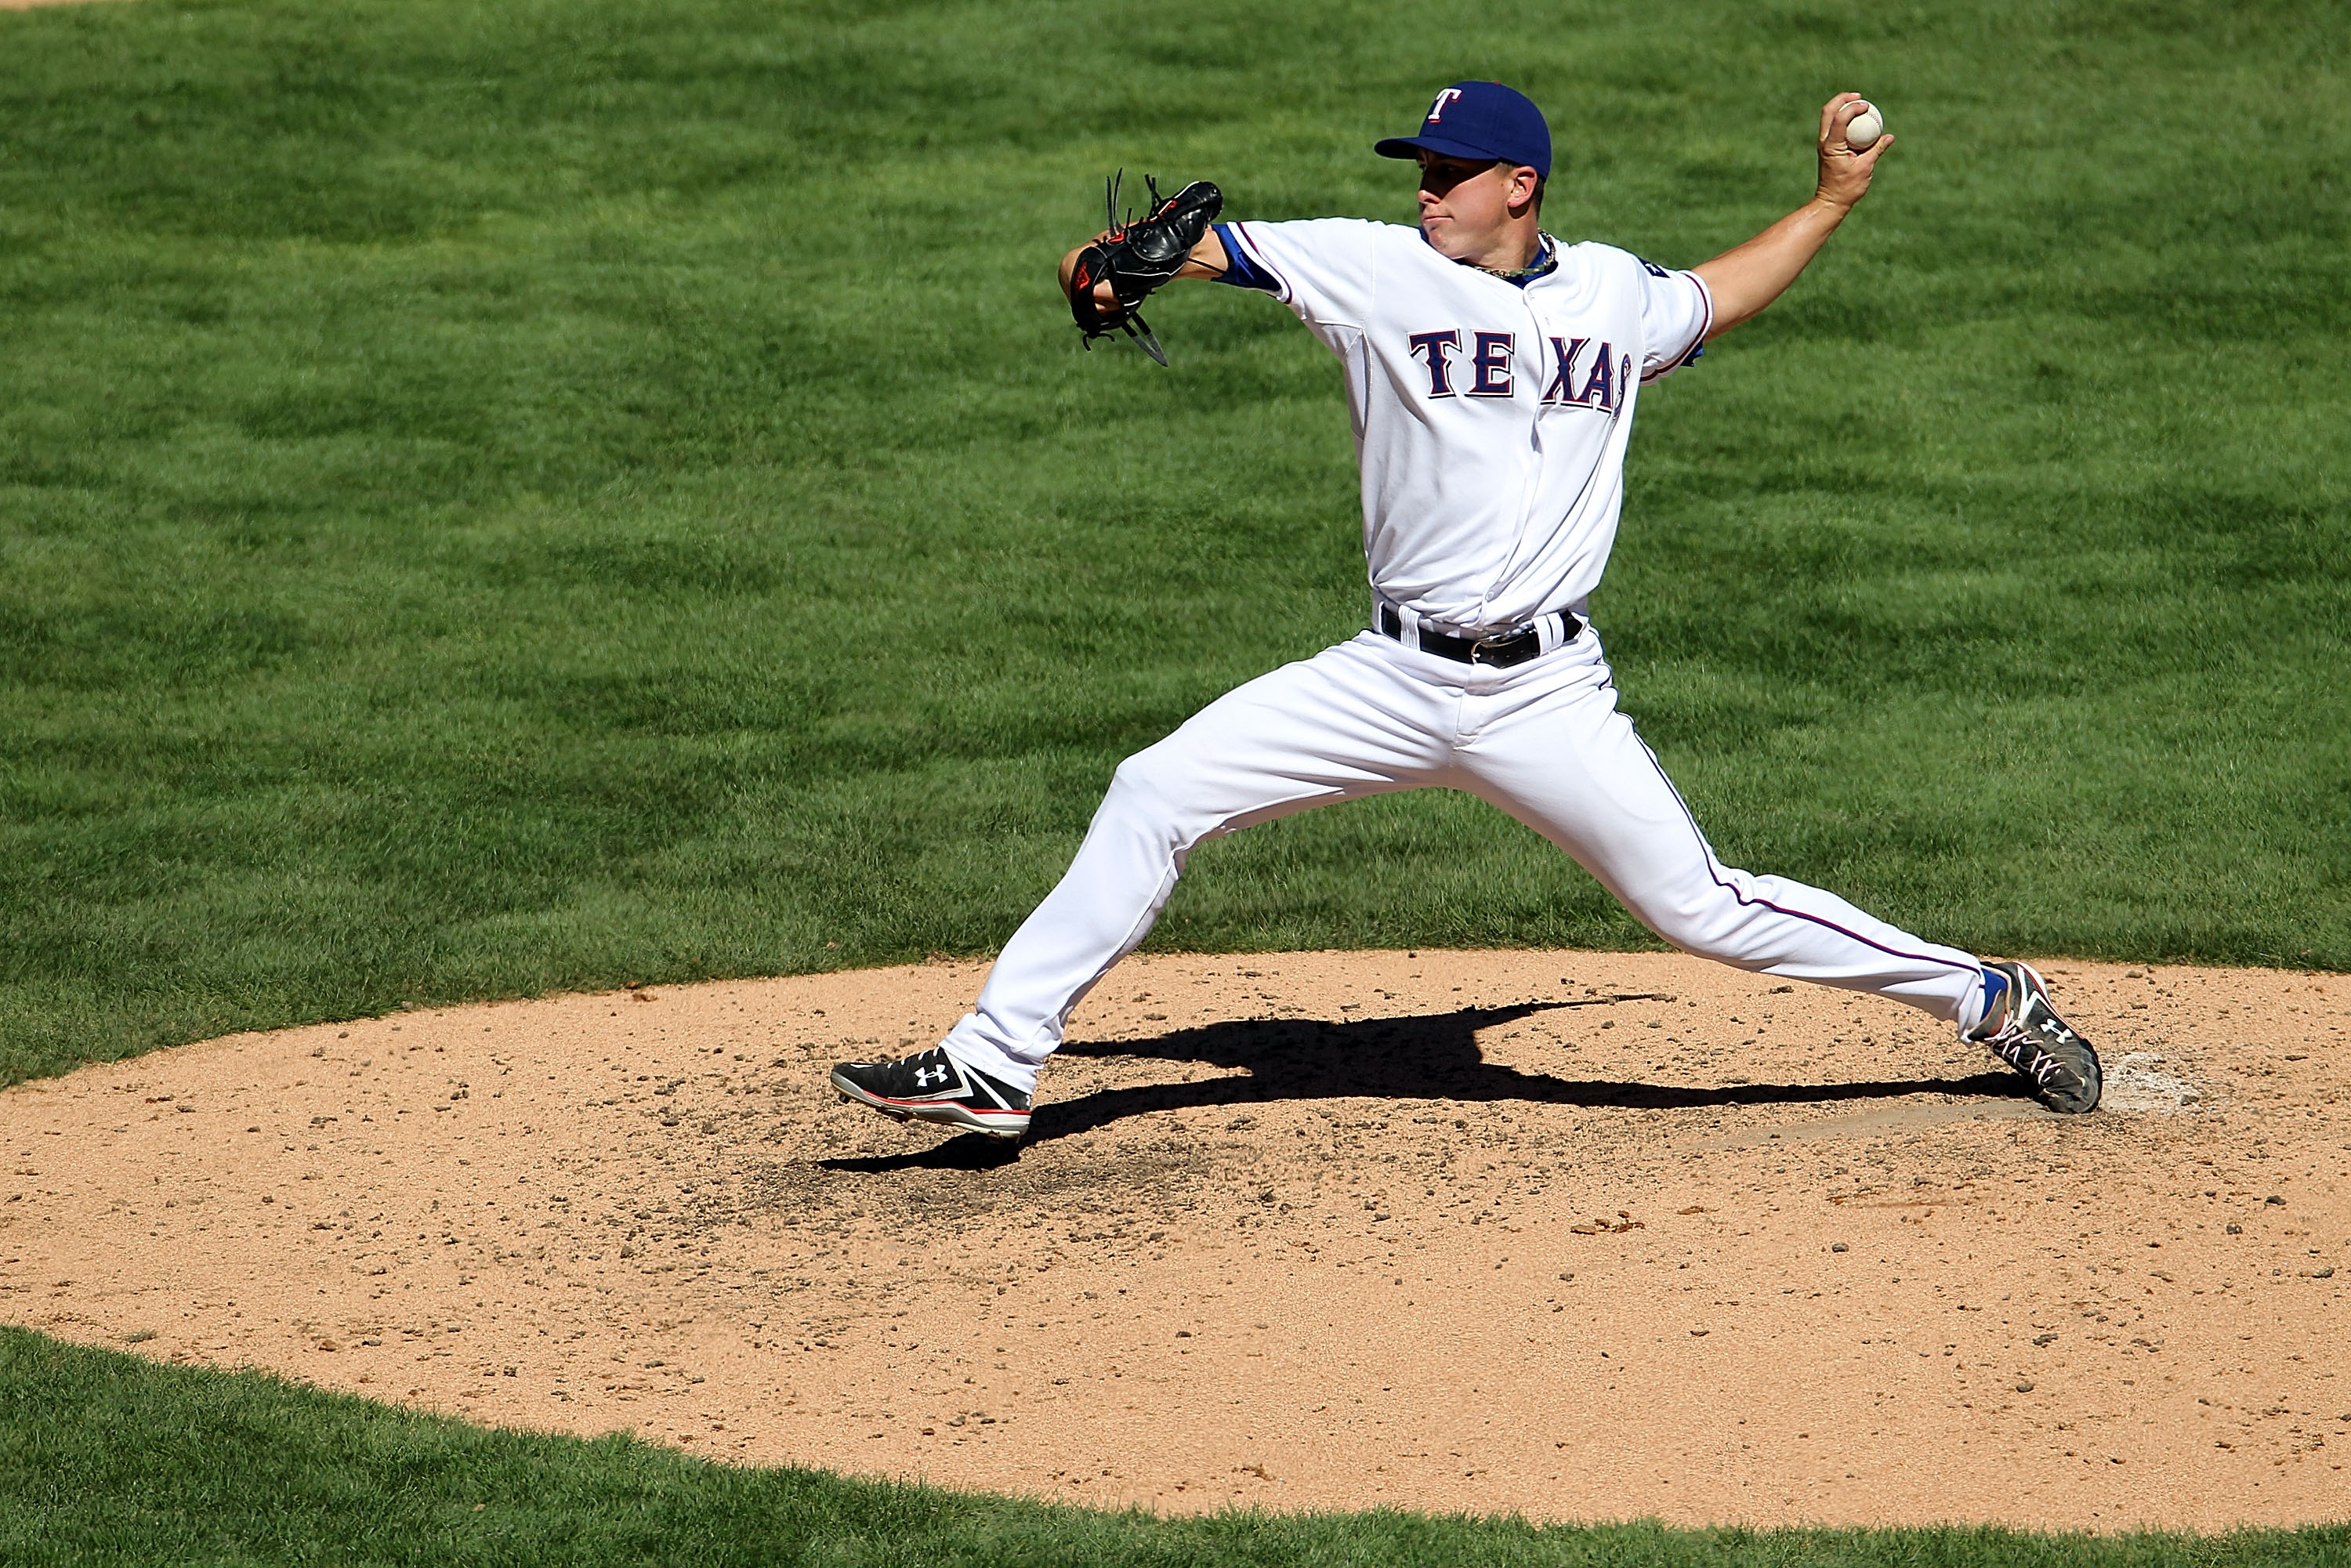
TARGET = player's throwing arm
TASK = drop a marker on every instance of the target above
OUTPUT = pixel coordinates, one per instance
(1746, 277)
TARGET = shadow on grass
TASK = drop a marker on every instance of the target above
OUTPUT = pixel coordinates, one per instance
(1430, 1058)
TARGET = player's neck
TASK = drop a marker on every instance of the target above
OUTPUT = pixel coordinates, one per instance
(1512, 249)
(1511, 260)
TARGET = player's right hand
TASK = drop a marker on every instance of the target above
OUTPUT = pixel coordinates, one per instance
(1845, 174)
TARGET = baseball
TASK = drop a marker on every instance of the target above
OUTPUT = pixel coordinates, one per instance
(1861, 133)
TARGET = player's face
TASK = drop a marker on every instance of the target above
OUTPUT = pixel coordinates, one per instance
(1465, 203)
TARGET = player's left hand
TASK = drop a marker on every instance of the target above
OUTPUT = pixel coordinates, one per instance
(1105, 298)
(1845, 174)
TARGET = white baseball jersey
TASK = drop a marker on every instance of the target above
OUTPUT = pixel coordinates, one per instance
(1490, 418)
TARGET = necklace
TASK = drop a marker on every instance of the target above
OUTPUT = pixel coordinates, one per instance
(1546, 258)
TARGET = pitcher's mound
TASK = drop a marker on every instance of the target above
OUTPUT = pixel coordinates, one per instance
(1576, 1236)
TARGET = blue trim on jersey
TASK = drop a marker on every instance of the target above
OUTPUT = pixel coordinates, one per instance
(1698, 348)
(1240, 271)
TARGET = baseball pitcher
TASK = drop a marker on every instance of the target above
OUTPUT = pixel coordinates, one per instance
(1492, 372)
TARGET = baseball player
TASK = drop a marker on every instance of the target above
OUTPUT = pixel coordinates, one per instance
(1491, 373)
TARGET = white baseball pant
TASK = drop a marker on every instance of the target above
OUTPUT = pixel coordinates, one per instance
(1542, 740)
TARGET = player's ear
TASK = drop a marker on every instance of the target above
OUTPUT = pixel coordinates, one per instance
(1525, 190)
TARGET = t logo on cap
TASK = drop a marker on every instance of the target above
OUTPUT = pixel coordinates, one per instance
(1437, 109)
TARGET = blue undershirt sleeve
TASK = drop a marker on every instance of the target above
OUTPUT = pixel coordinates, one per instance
(1240, 274)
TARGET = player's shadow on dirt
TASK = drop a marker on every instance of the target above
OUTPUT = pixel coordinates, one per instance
(1433, 1057)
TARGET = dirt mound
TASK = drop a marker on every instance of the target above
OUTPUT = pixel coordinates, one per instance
(1580, 1236)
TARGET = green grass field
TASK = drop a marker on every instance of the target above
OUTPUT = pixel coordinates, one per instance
(503, 498)
(106, 1460)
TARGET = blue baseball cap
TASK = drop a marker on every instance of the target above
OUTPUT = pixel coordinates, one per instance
(1479, 120)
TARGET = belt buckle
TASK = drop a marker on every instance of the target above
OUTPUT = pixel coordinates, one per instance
(1483, 643)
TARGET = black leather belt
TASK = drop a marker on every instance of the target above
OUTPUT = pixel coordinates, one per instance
(1499, 651)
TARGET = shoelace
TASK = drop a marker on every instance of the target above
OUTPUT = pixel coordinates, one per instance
(2021, 1050)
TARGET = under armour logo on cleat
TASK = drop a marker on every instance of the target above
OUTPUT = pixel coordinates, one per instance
(925, 1076)
(2052, 1028)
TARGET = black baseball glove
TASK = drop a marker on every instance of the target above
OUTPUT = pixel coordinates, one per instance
(1138, 257)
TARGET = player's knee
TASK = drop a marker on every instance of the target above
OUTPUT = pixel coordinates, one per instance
(1705, 925)
(1156, 795)
(1135, 778)
(1139, 795)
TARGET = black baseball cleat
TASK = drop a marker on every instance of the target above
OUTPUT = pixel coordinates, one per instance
(932, 1086)
(2029, 1035)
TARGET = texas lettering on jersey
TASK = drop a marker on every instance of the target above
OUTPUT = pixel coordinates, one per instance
(1491, 415)
(1578, 378)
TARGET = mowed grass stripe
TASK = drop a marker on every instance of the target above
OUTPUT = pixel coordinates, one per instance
(113, 1459)
(504, 498)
